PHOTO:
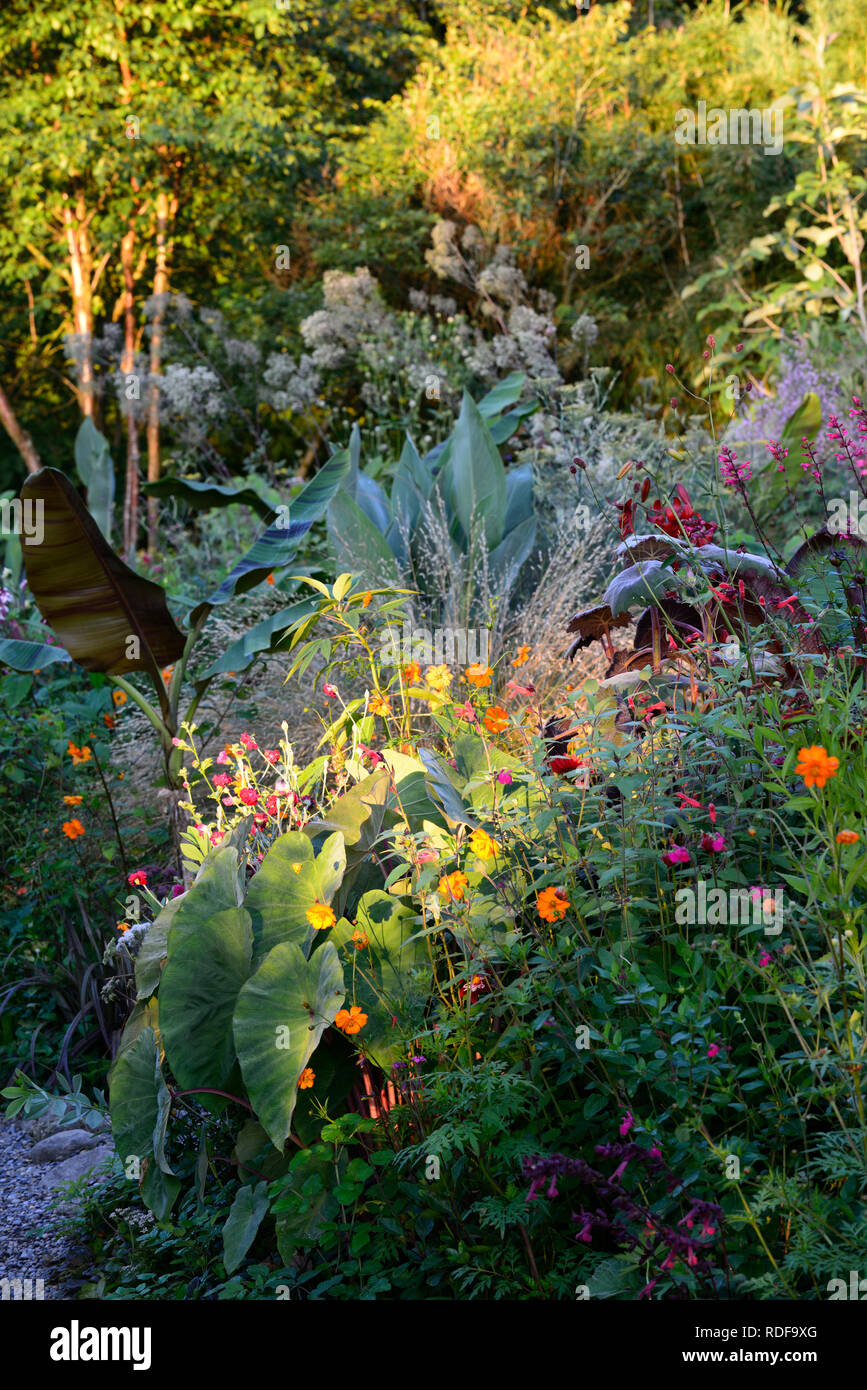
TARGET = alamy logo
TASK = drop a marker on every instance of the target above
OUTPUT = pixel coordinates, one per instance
(450, 646)
(716, 907)
(76, 1343)
(848, 520)
(856, 1289)
(735, 127)
(17, 1290)
(26, 519)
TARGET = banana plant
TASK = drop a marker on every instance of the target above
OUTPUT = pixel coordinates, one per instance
(112, 620)
(488, 510)
(239, 983)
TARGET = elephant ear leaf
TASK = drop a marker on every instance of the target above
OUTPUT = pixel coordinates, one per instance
(91, 599)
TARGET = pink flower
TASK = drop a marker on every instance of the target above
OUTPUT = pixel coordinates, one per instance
(678, 854)
(764, 958)
(271, 755)
(655, 1152)
(626, 1124)
(669, 368)
(466, 712)
(426, 856)
(249, 796)
(714, 844)
(504, 778)
(223, 758)
(282, 788)
(713, 1050)
(513, 689)
(248, 742)
(329, 691)
(222, 779)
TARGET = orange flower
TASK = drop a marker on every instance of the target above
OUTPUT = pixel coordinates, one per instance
(270, 579)
(552, 904)
(482, 845)
(306, 1079)
(122, 926)
(320, 916)
(815, 766)
(365, 599)
(411, 673)
(478, 675)
(522, 657)
(108, 720)
(72, 800)
(170, 671)
(350, 1021)
(495, 719)
(360, 939)
(119, 697)
(78, 755)
(379, 704)
(453, 885)
(73, 828)
(847, 837)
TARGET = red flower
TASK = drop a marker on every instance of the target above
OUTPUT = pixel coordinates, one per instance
(248, 742)
(222, 779)
(271, 805)
(248, 795)
(138, 878)
(562, 765)
(271, 755)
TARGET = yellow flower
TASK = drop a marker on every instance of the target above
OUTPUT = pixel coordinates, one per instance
(119, 697)
(552, 904)
(72, 800)
(482, 844)
(306, 1079)
(522, 657)
(296, 868)
(379, 704)
(438, 678)
(453, 885)
(350, 1021)
(320, 916)
(478, 675)
(815, 766)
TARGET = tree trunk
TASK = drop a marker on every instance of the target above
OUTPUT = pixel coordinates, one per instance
(161, 285)
(20, 438)
(81, 272)
(127, 365)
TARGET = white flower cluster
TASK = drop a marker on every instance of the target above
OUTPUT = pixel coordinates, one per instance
(290, 385)
(353, 314)
(190, 393)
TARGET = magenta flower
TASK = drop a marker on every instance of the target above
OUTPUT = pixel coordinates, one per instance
(626, 1124)
(714, 844)
(678, 854)
(713, 1050)
(764, 958)
(505, 777)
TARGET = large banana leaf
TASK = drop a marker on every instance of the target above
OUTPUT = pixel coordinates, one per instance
(359, 545)
(473, 480)
(29, 656)
(263, 637)
(277, 546)
(91, 599)
(201, 496)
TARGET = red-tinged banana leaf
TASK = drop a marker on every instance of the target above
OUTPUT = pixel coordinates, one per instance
(90, 598)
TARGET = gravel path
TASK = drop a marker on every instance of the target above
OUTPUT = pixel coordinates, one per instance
(33, 1242)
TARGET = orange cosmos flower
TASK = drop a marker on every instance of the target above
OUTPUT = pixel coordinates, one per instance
(270, 579)
(350, 1021)
(320, 916)
(108, 720)
(119, 697)
(365, 599)
(360, 939)
(495, 719)
(552, 904)
(847, 837)
(411, 673)
(78, 755)
(170, 671)
(72, 800)
(482, 844)
(815, 766)
(522, 657)
(306, 1079)
(478, 675)
(453, 885)
(72, 829)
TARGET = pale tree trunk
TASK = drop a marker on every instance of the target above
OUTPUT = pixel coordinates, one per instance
(20, 438)
(127, 364)
(81, 282)
(161, 286)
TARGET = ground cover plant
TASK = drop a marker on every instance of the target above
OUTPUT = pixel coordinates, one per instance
(432, 652)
